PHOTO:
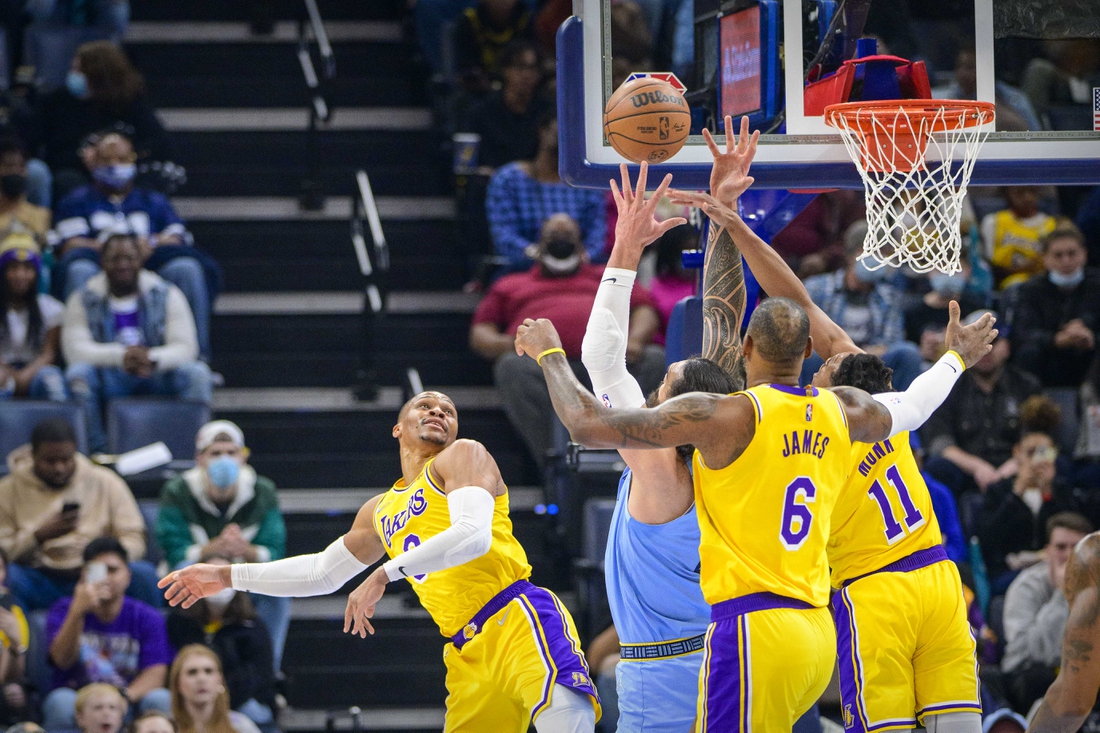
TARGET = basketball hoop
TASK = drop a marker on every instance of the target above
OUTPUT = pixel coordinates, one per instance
(906, 153)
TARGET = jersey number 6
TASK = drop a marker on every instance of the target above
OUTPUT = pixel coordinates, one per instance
(795, 527)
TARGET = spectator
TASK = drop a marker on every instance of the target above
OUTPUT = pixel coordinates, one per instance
(228, 623)
(1014, 110)
(53, 504)
(1036, 611)
(507, 119)
(113, 205)
(815, 240)
(14, 639)
(1058, 312)
(482, 33)
(129, 332)
(30, 329)
(524, 194)
(861, 302)
(1088, 221)
(200, 700)
(103, 91)
(1011, 236)
(153, 721)
(561, 287)
(17, 125)
(100, 708)
(210, 510)
(15, 211)
(672, 283)
(1015, 509)
(1066, 80)
(926, 319)
(970, 438)
(100, 635)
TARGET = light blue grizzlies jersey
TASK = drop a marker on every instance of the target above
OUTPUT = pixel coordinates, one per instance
(652, 573)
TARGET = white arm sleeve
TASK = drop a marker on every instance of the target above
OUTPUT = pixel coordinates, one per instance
(910, 409)
(301, 576)
(603, 350)
(470, 536)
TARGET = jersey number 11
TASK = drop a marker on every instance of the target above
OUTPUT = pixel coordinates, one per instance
(913, 517)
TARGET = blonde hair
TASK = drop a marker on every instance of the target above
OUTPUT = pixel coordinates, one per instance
(135, 724)
(219, 723)
(96, 687)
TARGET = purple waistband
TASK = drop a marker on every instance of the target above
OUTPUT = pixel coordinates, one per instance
(754, 602)
(497, 602)
(909, 563)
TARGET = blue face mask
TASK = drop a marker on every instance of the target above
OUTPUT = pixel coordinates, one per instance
(867, 275)
(948, 285)
(1071, 280)
(115, 176)
(224, 471)
(77, 84)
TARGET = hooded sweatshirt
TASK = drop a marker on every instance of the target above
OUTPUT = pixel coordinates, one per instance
(26, 503)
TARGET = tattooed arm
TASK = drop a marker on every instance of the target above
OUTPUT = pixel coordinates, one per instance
(723, 299)
(719, 426)
(1072, 696)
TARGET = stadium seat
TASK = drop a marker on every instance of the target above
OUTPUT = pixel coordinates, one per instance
(18, 418)
(1066, 398)
(39, 671)
(594, 614)
(153, 551)
(685, 330)
(134, 422)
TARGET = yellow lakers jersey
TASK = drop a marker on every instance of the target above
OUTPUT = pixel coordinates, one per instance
(884, 512)
(764, 519)
(408, 515)
(1017, 254)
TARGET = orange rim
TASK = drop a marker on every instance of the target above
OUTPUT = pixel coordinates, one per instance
(942, 114)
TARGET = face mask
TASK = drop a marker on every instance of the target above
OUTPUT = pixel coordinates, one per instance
(223, 471)
(115, 176)
(221, 599)
(1034, 500)
(13, 185)
(77, 84)
(1071, 280)
(560, 256)
(948, 285)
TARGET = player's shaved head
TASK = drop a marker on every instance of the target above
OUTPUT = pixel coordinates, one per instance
(426, 393)
(779, 329)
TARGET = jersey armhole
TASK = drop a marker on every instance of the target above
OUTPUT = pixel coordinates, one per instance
(437, 485)
(757, 408)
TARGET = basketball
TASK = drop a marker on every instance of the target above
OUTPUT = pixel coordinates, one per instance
(647, 119)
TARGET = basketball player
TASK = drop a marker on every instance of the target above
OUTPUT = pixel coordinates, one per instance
(513, 655)
(1072, 697)
(769, 650)
(652, 558)
(904, 643)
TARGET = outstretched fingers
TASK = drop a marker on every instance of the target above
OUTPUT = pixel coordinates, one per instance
(628, 192)
(660, 192)
(709, 139)
(643, 173)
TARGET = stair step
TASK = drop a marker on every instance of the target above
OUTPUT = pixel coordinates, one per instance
(286, 208)
(283, 91)
(319, 399)
(285, 31)
(213, 119)
(381, 720)
(292, 239)
(204, 10)
(341, 303)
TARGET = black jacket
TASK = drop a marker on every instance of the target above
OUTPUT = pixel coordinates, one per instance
(1007, 525)
(245, 652)
(1041, 311)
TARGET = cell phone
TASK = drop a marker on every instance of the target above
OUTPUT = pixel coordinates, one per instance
(96, 573)
(70, 506)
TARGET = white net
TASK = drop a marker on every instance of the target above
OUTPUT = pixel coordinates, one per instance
(915, 158)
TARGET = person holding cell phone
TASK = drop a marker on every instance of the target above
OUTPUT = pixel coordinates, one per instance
(100, 635)
(52, 504)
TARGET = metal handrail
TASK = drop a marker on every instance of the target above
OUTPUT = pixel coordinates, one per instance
(374, 266)
(312, 28)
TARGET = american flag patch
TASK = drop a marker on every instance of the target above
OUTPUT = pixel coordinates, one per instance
(1096, 109)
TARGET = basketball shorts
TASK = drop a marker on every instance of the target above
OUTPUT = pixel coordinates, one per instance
(658, 695)
(502, 667)
(904, 645)
(767, 659)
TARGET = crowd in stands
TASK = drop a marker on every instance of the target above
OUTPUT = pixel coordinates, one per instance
(85, 640)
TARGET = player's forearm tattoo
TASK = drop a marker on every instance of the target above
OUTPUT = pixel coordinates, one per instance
(723, 299)
(596, 426)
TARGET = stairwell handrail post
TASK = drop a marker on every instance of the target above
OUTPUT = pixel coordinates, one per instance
(374, 266)
(312, 29)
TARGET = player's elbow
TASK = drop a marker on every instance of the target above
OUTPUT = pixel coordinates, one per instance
(476, 542)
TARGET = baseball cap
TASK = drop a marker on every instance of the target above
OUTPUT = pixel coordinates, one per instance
(211, 432)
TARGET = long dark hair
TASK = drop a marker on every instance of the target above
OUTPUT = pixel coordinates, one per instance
(36, 334)
(703, 375)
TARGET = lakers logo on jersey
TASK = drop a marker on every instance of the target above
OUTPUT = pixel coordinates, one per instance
(581, 680)
(391, 525)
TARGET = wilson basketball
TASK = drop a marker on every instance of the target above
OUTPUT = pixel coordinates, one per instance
(647, 119)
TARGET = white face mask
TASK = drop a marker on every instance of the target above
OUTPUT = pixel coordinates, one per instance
(221, 599)
(1034, 500)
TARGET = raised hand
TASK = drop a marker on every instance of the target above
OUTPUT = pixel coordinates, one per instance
(721, 215)
(729, 175)
(534, 337)
(185, 587)
(971, 342)
(637, 227)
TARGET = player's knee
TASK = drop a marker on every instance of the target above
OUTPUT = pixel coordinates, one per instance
(958, 722)
(570, 711)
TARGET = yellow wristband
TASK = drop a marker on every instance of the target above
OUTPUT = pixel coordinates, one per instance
(558, 350)
(952, 351)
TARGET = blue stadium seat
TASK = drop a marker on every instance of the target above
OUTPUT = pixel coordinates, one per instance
(18, 418)
(134, 422)
(594, 614)
(684, 335)
(153, 551)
